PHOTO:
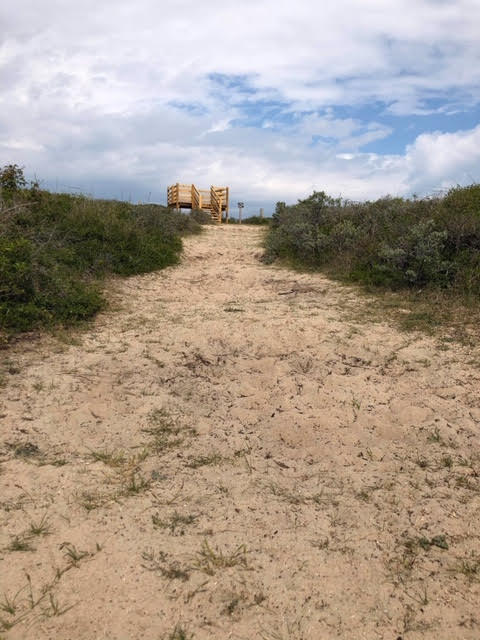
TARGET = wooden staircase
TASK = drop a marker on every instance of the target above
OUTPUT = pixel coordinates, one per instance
(188, 196)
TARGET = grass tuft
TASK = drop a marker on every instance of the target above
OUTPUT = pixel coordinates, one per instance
(210, 560)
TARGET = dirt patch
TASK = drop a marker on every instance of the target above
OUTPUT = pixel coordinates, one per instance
(226, 456)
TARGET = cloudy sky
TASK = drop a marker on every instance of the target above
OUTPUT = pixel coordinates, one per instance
(272, 97)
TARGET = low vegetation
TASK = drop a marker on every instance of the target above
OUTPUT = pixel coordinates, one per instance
(255, 220)
(56, 248)
(413, 245)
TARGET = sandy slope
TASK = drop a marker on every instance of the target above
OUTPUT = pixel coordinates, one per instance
(228, 452)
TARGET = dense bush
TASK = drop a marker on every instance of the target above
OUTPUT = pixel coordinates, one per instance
(391, 242)
(55, 249)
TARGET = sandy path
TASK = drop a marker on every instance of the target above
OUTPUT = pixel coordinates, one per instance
(227, 452)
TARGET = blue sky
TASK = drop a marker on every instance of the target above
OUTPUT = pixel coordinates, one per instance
(356, 97)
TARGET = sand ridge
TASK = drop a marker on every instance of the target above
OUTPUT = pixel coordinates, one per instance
(226, 453)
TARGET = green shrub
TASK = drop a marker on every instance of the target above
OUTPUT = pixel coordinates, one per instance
(56, 248)
(12, 180)
(391, 242)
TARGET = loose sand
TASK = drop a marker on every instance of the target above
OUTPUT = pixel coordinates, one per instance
(228, 453)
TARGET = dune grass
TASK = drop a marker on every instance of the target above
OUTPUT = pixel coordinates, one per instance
(56, 249)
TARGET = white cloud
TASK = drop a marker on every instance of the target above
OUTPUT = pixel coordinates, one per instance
(90, 92)
(439, 160)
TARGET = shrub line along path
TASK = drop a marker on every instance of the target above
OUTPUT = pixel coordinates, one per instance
(227, 453)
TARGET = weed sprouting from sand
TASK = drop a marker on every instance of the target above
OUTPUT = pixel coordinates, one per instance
(53, 609)
(135, 484)
(422, 462)
(24, 450)
(469, 566)
(165, 432)
(159, 562)
(20, 543)
(447, 461)
(179, 633)
(175, 522)
(110, 458)
(364, 494)
(72, 554)
(435, 437)
(9, 604)
(210, 560)
(40, 527)
(91, 500)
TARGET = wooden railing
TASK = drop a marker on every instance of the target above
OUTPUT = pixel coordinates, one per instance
(172, 195)
(196, 198)
(188, 196)
(215, 205)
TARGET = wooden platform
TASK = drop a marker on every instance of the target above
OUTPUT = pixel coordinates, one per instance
(188, 196)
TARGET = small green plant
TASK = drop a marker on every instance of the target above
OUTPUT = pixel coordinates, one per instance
(25, 450)
(40, 527)
(470, 567)
(72, 554)
(422, 462)
(165, 432)
(176, 522)
(364, 494)
(435, 437)
(158, 562)
(210, 560)
(20, 543)
(179, 633)
(91, 500)
(447, 461)
(439, 541)
(136, 484)
(9, 605)
(110, 458)
(54, 609)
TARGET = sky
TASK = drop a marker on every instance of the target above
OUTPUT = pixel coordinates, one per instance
(275, 98)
